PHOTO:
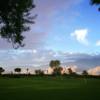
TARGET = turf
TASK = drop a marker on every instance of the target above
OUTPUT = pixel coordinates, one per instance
(49, 88)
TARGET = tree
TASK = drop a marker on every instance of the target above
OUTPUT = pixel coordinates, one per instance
(18, 70)
(57, 63)
(71, 72)
(14, 18)
(27, 70)
(84, 72)
(57, 71)
(1, 70)
(39, 72)
(96, 2)
(54, 63)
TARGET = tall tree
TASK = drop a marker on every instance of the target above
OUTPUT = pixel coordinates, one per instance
(54, 63)
(57, 71)
(14, 17)
(57, 63)
(1, 70)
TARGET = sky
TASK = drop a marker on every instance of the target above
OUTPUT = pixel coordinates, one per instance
(67, 30)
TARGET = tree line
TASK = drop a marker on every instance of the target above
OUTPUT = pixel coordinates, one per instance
(55, 65)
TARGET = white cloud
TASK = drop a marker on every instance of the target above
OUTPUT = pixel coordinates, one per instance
(94, 71)
(81, 36)
(34, 51)
(98, 43)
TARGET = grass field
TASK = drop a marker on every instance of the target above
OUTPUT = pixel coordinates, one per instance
(49, 88)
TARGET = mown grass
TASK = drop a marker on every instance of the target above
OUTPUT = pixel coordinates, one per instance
(49, 88)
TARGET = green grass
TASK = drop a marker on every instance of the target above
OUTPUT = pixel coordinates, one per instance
(49, 88)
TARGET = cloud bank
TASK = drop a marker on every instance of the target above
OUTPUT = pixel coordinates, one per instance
(94, 71)
(37, 58)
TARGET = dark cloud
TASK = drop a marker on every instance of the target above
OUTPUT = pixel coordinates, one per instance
(83, 61)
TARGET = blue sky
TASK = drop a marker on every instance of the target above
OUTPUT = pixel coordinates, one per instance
(67, 30)
(81, 16)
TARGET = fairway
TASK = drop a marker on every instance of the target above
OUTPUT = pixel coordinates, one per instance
(49, 88)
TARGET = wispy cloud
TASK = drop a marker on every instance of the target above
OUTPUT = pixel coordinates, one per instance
(41, 58)
(81, 36)
(50, 10)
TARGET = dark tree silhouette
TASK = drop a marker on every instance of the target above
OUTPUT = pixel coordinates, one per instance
(54, 63)
(96, 2)
(39, 72)
(51, 63)
(70, 71)
(57, 63)
(18, 70)
(14, 17)
(27, 70)
(57, 71)
(1, 70)
(84, 72)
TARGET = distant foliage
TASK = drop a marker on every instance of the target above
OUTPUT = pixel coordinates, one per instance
(1, 70)
(84, 72)
(27, 71)
(54, 63)
(70, 71)
(57, 71)
(18, 70)
(39, 72)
